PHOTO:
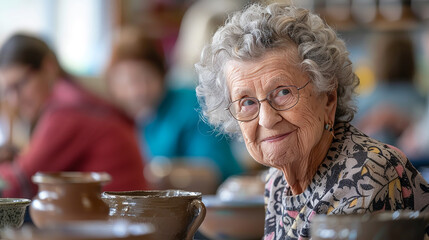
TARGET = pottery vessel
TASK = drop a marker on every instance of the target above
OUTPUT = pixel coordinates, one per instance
(241, 219)
(12, 212)
(68, 196)
(83, 230)
(398, 225)
(175, 214)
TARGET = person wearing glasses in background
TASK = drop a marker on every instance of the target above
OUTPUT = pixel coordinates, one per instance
(72, 130)
(280, 78)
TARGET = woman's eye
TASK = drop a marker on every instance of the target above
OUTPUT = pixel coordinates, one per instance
(283, 92)
(247, 102)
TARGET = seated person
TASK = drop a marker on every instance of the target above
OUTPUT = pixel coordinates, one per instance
(415, 140)
(168, 120)
(396, 102)
(280, 78)
(72, 130)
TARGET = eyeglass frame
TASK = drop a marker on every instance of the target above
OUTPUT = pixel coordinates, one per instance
(266, 99)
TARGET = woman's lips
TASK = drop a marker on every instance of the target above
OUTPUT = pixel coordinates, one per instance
(276, 138)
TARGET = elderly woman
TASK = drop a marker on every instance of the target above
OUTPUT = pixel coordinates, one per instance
(281, 79)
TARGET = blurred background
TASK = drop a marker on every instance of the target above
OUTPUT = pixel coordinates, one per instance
(388, 42)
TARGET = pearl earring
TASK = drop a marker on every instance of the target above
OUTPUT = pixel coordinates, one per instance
(327, 126)
(330, 129)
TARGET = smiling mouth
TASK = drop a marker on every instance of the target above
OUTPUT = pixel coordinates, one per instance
(276, 138)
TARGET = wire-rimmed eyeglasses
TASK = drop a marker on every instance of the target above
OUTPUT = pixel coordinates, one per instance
(281, 99)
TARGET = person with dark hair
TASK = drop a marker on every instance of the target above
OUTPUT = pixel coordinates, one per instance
(72, 130)
(169, 124)
(395, 102)
(415, 139)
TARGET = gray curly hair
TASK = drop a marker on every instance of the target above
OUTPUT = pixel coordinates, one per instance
(252, 32)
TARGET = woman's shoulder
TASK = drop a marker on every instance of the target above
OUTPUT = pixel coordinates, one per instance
(378, 171)
(363, 148)
(360, 153)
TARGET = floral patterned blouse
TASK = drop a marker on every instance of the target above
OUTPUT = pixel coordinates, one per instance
(358, 175)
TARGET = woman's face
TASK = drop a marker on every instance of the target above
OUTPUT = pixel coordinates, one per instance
(25, 90)
(278, 138)
(137, 86)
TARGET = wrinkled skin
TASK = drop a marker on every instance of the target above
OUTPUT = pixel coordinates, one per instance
(294, 140)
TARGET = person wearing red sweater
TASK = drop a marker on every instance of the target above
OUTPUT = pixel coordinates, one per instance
(72, 129)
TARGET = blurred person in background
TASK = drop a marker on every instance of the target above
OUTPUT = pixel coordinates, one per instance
(168, 120)
(198, 25)
(415, 140)
(395, 103)
(72, 130)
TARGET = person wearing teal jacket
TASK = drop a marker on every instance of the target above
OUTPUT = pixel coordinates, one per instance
(169, 121)
(176, 130)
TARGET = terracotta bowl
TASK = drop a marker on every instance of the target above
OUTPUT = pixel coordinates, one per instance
(12, 211)
(84, 230)
(241, 220)
(398, 225)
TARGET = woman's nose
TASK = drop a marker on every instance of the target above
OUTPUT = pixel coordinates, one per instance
(268, 116)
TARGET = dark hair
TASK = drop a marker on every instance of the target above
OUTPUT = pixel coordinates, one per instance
(134, 44)
(22, 49)
(394, 59)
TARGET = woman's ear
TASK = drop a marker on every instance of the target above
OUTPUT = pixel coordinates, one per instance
(331, 106)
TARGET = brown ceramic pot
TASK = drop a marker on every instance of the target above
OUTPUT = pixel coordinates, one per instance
(175, 214)
(241, 219)
(68, 196)
(398, 225)
(83, 230)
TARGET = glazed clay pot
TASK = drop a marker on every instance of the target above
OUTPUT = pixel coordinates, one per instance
(12, 211)
(241, 219)
(398, 225)
(175, 214)
(83, 230)
(68, 196)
